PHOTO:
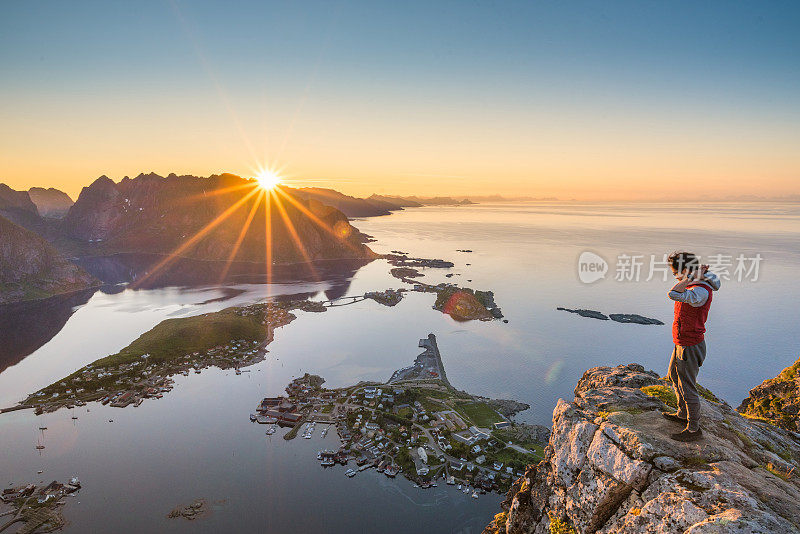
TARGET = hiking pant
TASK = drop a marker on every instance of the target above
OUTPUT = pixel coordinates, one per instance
(683, 368)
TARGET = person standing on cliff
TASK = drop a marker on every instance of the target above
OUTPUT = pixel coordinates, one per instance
(692, 295)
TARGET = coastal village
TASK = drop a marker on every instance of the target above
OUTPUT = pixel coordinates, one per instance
(415, 424)
(177, 346)
(37, 508)
(233, 338)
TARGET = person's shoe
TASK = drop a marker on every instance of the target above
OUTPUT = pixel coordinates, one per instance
(687, 435)
(673, 417)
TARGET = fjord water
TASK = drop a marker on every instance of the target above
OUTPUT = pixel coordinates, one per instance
(197, 442)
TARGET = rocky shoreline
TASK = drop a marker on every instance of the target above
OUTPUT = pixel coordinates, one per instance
(610, 467)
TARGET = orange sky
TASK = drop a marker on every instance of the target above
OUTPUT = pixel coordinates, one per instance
(428, 153)
(523, 100)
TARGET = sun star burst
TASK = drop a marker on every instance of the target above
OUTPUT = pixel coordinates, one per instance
(268, 179)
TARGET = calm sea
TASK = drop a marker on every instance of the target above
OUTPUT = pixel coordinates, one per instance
(197, 442)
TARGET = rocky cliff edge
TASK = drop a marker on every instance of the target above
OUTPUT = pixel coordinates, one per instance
(610, 466)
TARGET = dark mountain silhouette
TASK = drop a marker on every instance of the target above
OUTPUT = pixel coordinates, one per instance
(350, 206)
(31, 268)
(162, 215)
(17, 207)
(399, 201)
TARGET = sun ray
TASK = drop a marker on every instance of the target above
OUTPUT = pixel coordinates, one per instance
(241, 237)
(221, 191)
(175, 254)
(268, 237)
(314, 218)
(295, 236)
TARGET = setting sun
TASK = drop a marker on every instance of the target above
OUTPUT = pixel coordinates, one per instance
(268, 179)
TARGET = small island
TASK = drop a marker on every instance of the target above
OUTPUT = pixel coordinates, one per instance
(617, 317)
(415, 424)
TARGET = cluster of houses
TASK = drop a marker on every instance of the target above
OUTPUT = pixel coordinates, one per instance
(50, 493)
(388, 297)
(131, 382)
(470, 437)
(279, 410)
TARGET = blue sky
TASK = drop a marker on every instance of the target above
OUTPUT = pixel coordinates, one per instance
(304, 85)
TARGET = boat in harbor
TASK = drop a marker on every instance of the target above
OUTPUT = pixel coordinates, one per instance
(42, 428)
(474, 495)
(252, 417)
(350, 473)
(458, 487)
(271, 430)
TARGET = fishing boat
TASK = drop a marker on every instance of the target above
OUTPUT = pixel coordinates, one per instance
(42, 428)
(350, 473)
(252, 417)
(474, 495)
(39, 445)
(458, 487)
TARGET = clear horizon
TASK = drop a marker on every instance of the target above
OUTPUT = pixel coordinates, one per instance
(623, 101)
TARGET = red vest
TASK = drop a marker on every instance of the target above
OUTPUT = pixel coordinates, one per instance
(689, 324)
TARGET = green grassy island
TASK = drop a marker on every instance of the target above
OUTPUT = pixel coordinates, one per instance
(229, 339)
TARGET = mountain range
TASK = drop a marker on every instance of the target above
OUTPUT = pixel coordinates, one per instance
(221, 218)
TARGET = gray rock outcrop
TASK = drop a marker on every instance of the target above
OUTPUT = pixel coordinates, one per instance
(611, 467)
